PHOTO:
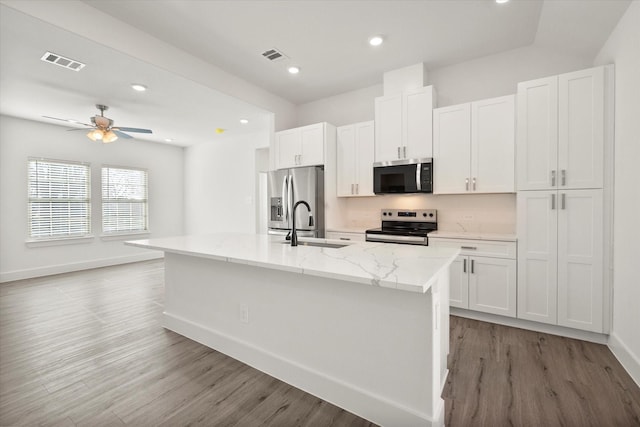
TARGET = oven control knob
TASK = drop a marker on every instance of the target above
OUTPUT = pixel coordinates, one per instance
(390, 214)
(384, 214)
(431, 215)
(424, 214)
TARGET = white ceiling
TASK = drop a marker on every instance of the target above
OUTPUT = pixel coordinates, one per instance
(327, 39)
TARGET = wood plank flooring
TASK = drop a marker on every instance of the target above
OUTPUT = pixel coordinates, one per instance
(87, 349)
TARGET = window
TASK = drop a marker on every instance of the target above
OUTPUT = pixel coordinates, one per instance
(124, 200)
(59, 199)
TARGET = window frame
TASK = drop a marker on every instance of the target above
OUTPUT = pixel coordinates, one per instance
(58, 239)
(114, 235)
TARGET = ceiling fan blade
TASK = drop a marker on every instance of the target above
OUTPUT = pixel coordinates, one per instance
(67, 120)
(120, 128)
(69, 130)
(121, 134)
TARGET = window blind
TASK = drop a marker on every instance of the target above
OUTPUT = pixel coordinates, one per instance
(59, 199)
(124, 200)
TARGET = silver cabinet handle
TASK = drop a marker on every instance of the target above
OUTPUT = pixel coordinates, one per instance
(399, 152)
(563, 177)
(351, 188)
(553, 178)
(474, 184)
(553, 201)
(404, 151)
(469, 248)
(464, 265)
(563, 199)
(466, 184)
(299, 159)
(345, 238)
(357, 189)
(473, 265)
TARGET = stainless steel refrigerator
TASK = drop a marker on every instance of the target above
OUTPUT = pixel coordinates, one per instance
(288, 186)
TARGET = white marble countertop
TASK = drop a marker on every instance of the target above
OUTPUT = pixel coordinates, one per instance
(404, 267)
(347, 229)
(505, 237)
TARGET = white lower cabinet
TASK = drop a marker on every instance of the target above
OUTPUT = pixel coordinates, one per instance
(483, 278)
(561, 258)
(344, 235)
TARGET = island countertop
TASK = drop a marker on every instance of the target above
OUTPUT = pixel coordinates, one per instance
(405, 267)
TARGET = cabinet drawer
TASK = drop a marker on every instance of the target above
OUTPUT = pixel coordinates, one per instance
(339, 235)
(488, 248)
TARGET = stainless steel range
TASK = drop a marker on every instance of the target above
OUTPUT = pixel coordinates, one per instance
(409, 227)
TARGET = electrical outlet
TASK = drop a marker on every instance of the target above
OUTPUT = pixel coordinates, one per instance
(244, 313)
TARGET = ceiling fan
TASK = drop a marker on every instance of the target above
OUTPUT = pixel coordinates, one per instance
(102, 128)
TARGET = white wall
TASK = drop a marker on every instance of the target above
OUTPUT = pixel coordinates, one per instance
(220, 184)
(623, 49)
(485, 77)
(20, 139)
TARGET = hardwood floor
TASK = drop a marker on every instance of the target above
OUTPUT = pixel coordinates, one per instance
(87, 349)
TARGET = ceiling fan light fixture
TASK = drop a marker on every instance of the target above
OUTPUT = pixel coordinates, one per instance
(108, 137)
(95, 135)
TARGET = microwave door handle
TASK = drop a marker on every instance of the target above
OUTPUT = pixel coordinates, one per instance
(418, 180)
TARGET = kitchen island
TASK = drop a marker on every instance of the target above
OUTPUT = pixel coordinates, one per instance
(364, 326)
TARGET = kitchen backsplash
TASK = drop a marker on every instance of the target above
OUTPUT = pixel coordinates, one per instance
(484, 213)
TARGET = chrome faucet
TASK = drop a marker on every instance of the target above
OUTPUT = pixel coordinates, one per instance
(294, 236)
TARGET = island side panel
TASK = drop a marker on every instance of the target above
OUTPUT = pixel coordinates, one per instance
(370, 350)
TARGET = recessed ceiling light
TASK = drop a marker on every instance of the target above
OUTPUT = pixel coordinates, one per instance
(244, 121)
(376, 40)
(293, 69)
(138, 87)
(501, 1)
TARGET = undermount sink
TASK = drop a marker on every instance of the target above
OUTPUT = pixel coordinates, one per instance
(319, 244)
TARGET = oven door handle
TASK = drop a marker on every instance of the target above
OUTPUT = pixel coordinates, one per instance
(396, 239)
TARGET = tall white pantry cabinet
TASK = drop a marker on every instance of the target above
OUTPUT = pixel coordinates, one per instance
(564, 178)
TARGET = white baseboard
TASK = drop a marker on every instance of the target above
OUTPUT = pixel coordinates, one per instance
(76, 266)
(361, 402)
(532, 326)
(629, 361)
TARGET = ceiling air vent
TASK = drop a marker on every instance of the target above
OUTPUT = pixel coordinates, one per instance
(273, 54)
(54, 58)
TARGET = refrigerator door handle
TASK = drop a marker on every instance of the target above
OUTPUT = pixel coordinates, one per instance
(285, 200)
(290, 196)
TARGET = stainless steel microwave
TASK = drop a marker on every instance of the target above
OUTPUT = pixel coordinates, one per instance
(403, 176)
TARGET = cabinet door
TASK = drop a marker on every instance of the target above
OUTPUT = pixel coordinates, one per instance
(493, 145)
(388, 125)
(288, 148)
(581, 129)
(312, 145)
(459, 282)
(537, 225)
(452, 149)
(537, 134)
(418, 123)
(363, 158)
(346, 160)
(580, 259)
(492, 285)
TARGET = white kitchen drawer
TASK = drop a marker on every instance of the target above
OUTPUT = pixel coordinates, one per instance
(486, 248)
(340, 235)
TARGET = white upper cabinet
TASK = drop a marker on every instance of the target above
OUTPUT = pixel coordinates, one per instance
(303, 146)
(560, 136)
(403, 125)
(355, 146)
(452, 149)
(474, 147)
